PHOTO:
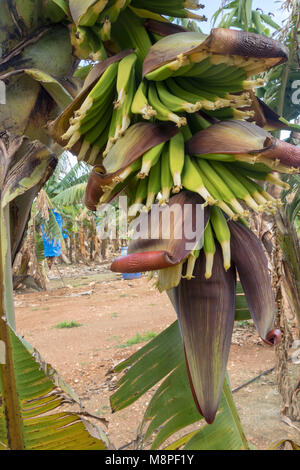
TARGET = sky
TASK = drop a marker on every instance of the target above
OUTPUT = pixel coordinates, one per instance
(267, 6)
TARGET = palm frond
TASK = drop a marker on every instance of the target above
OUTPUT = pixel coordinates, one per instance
(70, 196)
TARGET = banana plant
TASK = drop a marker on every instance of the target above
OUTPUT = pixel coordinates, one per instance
(156, 89)
(242, 15)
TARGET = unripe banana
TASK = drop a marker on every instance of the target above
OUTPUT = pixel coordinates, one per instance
(140, 196)
(255, 191)
(172, 102)
(166, 177)
(211, 188)
(140, 104)
(209, 248)
(222, 232)
(123, 114)
(191, 180)
(100, 90)
(176, 154)
(149, 159)
(191, 261)
(124, 77)
(154, 186)
(167, 70)
(235, 185)
(163, 113)
(221, 187)
(132, 168)
(98, 146)
(208, 100)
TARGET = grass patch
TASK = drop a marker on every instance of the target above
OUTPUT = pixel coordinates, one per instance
(138, 338)
(244, 323)
(114, 315)
(65, 324)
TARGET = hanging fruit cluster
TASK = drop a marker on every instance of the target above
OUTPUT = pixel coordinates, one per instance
(170, 116)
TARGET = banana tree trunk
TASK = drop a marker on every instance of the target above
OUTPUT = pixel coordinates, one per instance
(289, 242)
(287, 389)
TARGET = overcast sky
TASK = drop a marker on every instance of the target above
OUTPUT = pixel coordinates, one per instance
(266, 5)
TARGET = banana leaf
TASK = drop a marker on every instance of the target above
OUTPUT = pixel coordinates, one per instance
(172, 407)
(38, 422)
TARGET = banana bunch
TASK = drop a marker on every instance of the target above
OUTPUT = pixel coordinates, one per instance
(175, 98)
(110, 25)
(214, 60)
(105, 113)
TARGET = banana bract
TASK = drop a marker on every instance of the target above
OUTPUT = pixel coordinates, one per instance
(205, 310)
(166, 238)
(220, 42)
(244, 138)
(248, 256)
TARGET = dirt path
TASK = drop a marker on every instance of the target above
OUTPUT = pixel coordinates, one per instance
(111, 311)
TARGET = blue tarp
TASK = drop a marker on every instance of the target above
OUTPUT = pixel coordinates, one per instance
(53, 247)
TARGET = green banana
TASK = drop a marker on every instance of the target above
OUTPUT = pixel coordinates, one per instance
(195, 99)
(140, 104)
(232, 87)
(219, 157)
(189, 86)
(255, 191)
(231, 113)
(98, 145)
(124, 77)
(97, 97)
(222, 233)
(90, 17)
(192, 181)
(199, 69)
(176, 155)
(191, 261)
(123, 114)
(226, 193)
(235, 185)
(132, 168)
(154, 186)
(168, 70)
(113, 11)
(266, 175)
(92, 134)
(129, 32)
(140, 196)
(197, 122)
(166, 176)
(186, 132)
(163, 113)
(100, 90)
(111, 133)
(172, 102)
(211, 188)
(149, 159)
(209, 248)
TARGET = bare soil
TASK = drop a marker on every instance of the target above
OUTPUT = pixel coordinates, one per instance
(111, 311)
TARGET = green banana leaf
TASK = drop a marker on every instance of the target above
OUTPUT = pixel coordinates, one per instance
(41, 423)
(172, 407)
